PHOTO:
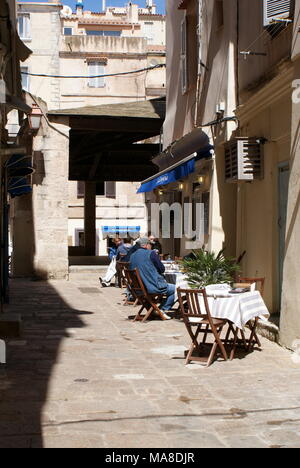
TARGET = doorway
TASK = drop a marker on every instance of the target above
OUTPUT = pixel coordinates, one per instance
(283, 186)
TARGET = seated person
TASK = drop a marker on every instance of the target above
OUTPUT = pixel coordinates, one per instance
(155, 244)
(131, 251)
(111, 271)
(123, 248)
(151, 270)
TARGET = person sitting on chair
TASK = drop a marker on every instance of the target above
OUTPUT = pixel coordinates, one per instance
(155, 244)
(151, 270)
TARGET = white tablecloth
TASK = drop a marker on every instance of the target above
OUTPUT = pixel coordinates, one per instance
(238, 308)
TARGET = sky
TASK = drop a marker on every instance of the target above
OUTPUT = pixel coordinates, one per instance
(96, 5)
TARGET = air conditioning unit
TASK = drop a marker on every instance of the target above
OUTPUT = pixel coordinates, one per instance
(243, 159)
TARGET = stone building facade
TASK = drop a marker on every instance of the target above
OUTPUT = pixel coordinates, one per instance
(83, 44)
(232, 83)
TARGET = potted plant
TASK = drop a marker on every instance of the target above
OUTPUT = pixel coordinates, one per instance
(204, 268)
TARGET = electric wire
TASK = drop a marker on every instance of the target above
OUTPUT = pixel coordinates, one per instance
(276, 29)
(94, 76)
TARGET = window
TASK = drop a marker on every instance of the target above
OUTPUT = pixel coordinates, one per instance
(184, 58)
(68, 31)
(94, 70)
(277, 9)
(24, 26)
(80, 188)
(103, 189)
(103, 33)
(100, 189)
(149, 31)
(106, 189)
(25, 78)
(110, 189)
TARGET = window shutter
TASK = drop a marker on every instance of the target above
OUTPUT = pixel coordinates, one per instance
(80, 188)
(243, 159)
(277, 9)
(184, 58)
(24, 26)
(25, 78)
(94, 69)
(199, 36)
(110, 189)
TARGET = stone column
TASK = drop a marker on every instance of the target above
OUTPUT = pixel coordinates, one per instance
(50, 201)
(290, 304)
(90, 218)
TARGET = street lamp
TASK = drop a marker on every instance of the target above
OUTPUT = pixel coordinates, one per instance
(35, 118)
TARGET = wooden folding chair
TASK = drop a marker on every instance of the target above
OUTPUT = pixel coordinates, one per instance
(146, 300)
(253, 339)
(198, 320)
(121, 266)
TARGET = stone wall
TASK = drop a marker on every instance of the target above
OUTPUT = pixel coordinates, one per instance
(40, 220)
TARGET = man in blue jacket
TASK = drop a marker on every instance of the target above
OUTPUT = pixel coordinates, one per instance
(151, 271)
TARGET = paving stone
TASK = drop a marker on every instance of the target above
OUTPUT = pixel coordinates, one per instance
(83, 375)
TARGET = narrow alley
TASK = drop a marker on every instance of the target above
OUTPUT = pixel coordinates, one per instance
(83, 375)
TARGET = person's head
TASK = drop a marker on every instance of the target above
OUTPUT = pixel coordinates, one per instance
(152, 239)
(117, 241)
(145, 243)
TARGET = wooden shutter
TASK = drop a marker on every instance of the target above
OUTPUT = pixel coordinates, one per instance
(24, 26)
(277, 9)
(199, 35)
(243, 159)
(184, 56)
(96, 69)
(80, 188)
(110, 189)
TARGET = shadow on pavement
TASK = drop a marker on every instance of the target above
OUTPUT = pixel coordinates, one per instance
(25, 378)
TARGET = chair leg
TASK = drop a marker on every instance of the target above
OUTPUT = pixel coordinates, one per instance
(212, 354)
(148, 313)
(253, 336)
(234, 344)
(138, 315)
(190, 353)
(221, 346)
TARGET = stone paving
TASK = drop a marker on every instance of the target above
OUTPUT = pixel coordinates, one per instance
(85, 376)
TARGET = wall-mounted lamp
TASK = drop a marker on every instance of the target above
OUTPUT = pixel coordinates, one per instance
(180, 186)
(35, 118)
(160, 192)
(201, 179)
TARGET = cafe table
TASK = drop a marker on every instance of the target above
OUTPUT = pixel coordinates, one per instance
(224, 304)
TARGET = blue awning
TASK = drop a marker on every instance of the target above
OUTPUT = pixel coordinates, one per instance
(18, 186)
(165, 178)
(121, 231)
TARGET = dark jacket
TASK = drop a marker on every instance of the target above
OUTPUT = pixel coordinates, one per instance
(131, 251)
(150, 270)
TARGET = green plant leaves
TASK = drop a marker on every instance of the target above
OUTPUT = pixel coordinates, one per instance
(209, 268)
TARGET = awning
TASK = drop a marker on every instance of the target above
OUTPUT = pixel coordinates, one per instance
(18, 186)
(122, 231)
(178, 171)
(168, 176)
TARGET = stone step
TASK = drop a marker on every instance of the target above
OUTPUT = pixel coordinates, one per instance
(268, 330)
(92, 269)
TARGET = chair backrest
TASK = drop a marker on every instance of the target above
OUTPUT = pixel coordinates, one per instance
(194, 304)
(259, 283)
(122, 266)
(135, 283)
